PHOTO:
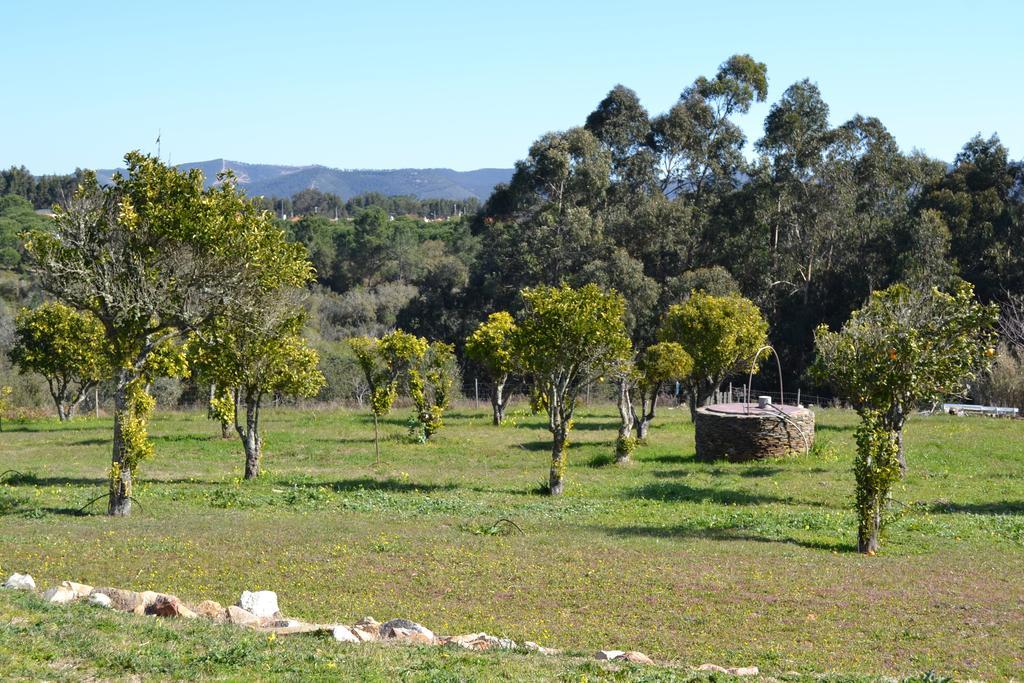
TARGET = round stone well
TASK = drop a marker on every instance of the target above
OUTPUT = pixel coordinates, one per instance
(739, 432)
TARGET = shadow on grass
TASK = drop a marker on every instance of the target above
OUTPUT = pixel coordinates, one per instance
(30, 479)
(672, 459)
(578, 426)
(835, 428)
(546, 445)
(390, 485)
(92, 442)
(761, 472)
(601, 460)
(685, 531)
(680, 492)
(1002, 507)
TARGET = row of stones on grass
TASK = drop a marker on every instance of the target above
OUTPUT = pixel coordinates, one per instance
(259, 611)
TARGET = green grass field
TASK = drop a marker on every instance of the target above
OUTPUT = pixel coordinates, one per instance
(734, 564)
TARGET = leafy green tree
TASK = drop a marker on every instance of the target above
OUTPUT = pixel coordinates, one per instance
(153, 255)
(721, 334)
(262, 355)
(658, 364)
(699, 146)
(384, 362)
(490, 345)
(622, 124)
(430, 387)
(64, 346)
(982, 202)
(567, 339)
(643, 378)
(903, 349)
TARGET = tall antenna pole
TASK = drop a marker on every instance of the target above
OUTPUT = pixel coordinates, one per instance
(158, 143)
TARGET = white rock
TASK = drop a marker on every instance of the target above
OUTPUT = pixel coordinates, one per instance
(80, 590)
(609, 654)
(259, 603)
(101, 600)
(343, 634)
(60, 595)
(20, 582)
(745, 671)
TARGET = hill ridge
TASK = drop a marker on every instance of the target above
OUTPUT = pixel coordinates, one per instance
(283, 180)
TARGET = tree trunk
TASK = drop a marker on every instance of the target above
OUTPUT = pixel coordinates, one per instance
(225, 429)
(648, 405)
(692, 400)
(556, 480)
(376, 439)
(498, 401)
(901, 457)
(623, 445)
(119, 502)
(251, 437)
(870, 530)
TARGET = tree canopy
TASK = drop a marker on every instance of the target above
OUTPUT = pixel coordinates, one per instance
(568, 338)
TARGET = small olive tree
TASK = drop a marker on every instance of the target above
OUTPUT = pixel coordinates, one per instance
(721, 334)
(658, 364)
(490, 345)
(430, 387)
(262, 356)
(643, 378)
(66, 347)
(905, 348)
(384, 362)
(568, 338)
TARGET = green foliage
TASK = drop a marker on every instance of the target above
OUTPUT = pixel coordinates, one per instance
(134, 418)
(569, 336)
(720, 333)
(491, 344)
(222, 405)
(430, 387)
(384, 363)
(876, 468)
(383, 384)
(64, 346)
(567, 339)
(907, 348)
(662, 362)
(16, 216)
(904, 348)
(258, 361)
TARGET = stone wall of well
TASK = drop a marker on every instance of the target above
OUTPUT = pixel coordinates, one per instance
(739, 438)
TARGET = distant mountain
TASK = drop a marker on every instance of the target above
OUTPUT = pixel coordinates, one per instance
(284, 181)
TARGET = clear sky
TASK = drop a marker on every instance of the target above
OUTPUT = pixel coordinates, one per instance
(470, 84)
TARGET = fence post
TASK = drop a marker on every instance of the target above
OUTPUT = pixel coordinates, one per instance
(96, 399)
(798, 395)
(476, 393)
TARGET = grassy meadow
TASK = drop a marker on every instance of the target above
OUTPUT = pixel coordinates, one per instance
(689, 562)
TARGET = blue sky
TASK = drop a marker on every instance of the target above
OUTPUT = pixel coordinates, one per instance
(471, 84)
